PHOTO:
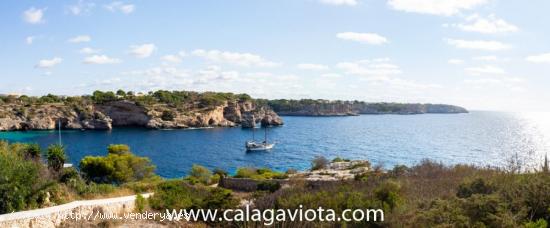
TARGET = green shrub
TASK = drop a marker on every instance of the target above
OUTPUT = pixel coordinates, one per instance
(21, 183)
(478, 186)
(56, 157)
(118, 149)
(201, 174)
(259, 174)
(140, 203)
(177, 194)
(168, 115)
(339, 159)
(541, 223)
(388, 193)
(33, 151)
(116, 168)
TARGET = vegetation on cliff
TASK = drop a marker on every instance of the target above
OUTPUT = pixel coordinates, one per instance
(309, 107)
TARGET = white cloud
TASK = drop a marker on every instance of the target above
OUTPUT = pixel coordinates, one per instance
(311, 66)
(171, 58)
(370, 38)
(29, 40)
(542, 58)
(34, 16)
(436, 7)
(339, 2)
(478, 44)
(143, 51)
(81, 8)
(486, 58)
(236, 58)
(378, 68)
(331, 75)
(488, 25)
(120, 7)
(89, 50)
(488, 69)
(80, 39)
(48, 63)
(455, 61)
(101, 59)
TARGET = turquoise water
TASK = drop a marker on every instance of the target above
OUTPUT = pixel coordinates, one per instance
(482, 138)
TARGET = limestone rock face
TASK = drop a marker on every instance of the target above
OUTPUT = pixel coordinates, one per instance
(127, 113)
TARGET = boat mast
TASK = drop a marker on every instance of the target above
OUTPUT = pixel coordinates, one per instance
(254, 133)
(59, 129)
(265, 140)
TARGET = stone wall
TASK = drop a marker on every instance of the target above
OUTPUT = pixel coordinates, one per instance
(54, 216)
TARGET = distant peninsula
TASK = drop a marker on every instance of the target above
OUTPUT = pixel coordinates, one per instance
(308, 107)
(179, 109)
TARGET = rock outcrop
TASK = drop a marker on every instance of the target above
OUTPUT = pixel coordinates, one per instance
(128, 113)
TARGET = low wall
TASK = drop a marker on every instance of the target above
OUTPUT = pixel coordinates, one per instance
(54, 216)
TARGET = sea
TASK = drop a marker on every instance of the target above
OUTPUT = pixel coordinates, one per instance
(480, 138)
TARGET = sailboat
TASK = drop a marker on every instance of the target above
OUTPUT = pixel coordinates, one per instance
(252, 145)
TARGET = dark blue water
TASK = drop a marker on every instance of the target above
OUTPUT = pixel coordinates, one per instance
(482, 138)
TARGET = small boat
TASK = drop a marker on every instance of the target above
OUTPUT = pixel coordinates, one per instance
(252, 145)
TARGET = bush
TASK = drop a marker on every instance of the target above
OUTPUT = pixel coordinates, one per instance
(176, 194)
(32, 151)
(56, 157)
(140, 203)
(478, 186)
(168, 115)
(20, 183)
(201, 174)
(259, 174)
(118, 149)
(116, 168)
(339, 159)
(319, 162)
(388, 193)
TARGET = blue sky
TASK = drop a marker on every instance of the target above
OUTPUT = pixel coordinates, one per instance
(481, 54)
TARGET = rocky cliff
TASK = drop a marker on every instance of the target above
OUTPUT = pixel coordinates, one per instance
(119, 113)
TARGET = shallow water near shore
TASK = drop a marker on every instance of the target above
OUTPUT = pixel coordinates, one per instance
(480, 138)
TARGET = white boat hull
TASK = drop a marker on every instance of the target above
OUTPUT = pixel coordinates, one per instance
(253, 146)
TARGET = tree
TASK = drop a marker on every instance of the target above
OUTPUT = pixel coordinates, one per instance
(56, 157)
(121, 93)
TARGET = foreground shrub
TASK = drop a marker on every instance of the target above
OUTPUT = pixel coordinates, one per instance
(259, 174)
(177, 194)
(116, 167)
(200, 174)
(56, 157)
(21, 185)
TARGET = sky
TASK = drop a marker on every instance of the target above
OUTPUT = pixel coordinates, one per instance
(480, 54)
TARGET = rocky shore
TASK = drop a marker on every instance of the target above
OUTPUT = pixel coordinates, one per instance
(125, 113)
